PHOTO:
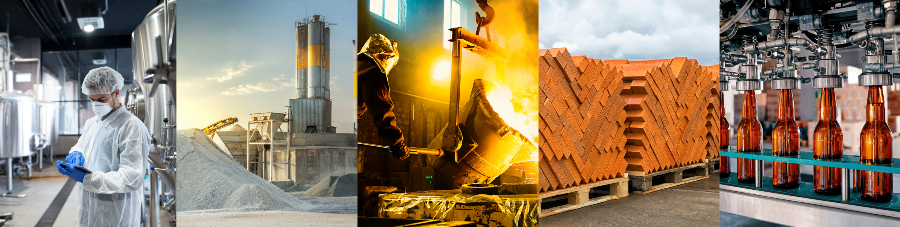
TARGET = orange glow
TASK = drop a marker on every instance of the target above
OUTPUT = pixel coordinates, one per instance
(524, 119)
(442, 70)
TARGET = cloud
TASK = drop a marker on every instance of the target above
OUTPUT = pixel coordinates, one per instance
(634, 29)
(264, 86)
(232, 72)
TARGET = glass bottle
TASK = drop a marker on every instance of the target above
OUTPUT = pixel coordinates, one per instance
(875, 148)
(749, 138)
(724, 170)
(828, 144)
(785, 142)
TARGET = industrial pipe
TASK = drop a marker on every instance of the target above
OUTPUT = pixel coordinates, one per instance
(736, 17)
(478, 45)
(795, 67)
(154, 197)
(727, 74)
(761, 46)
(890, 8)
(881, 67)
(412, 150)
(877, 32)
(9, 176)
(734, 58)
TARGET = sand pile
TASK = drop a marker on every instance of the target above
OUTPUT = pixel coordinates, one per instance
(209, 179)
(334, 186)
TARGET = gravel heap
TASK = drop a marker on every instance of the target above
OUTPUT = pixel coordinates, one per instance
(210, 180)
(334, 186)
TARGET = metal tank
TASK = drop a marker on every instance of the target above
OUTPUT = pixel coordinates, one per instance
(48, 115)
(312, 106)
(317, 57)
(145, 55)
(20, 134)
(158, 109)
(153, 51)
(301, 29)
(20, 131)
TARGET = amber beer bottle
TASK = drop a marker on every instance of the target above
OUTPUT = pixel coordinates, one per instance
(828, 144)
(749, 138)
(724, 131)
(785, 142)
(875, 148)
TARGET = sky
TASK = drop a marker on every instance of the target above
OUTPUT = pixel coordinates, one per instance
(632, 29)
(236, 58)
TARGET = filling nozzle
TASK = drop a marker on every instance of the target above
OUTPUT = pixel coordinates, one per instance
(875, 72)
(749, 75)
(827, 75)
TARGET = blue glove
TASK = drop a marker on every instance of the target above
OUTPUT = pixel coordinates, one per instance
(75, 158)
(61, 166)
(74, 173)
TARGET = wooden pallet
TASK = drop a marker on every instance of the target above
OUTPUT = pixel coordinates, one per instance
(643, 183)
(578, 196)
(713, 165)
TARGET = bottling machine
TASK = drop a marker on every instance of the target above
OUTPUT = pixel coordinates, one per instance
(810, 35)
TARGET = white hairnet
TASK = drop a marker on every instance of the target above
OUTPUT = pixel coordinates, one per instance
(101, 81)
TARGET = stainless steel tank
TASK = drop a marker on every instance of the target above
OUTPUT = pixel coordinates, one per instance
(318, 54)
(154, 31)
(48, 115)
(20, 132)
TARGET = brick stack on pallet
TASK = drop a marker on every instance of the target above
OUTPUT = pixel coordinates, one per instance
(582, 121)
(599, 118)
(672, 104)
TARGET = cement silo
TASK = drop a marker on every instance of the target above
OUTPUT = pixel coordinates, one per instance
(311, 110)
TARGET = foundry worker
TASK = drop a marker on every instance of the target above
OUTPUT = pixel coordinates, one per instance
(374, 62)
(114, 147)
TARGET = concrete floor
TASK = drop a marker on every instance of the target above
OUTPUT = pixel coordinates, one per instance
(691, 204)
(40, 192)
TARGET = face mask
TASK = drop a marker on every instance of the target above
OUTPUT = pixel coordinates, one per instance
(101, 108)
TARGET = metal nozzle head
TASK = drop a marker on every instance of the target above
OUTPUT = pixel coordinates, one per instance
(748, 85)
(785, 83)
(827, 81)
(869, 79)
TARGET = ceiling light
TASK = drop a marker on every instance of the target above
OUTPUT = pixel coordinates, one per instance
(99, 58)
(90, 19)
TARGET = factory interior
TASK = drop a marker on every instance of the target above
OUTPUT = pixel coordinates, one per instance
(492, 78)
(813, 70)
(47, 49)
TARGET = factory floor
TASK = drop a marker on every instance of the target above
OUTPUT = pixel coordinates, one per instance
(44, 204)
(40, 193)
(691, 204)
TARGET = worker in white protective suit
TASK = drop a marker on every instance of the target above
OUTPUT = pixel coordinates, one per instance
(114, 147)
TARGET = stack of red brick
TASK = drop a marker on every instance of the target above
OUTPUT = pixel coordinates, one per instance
(601, 118)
